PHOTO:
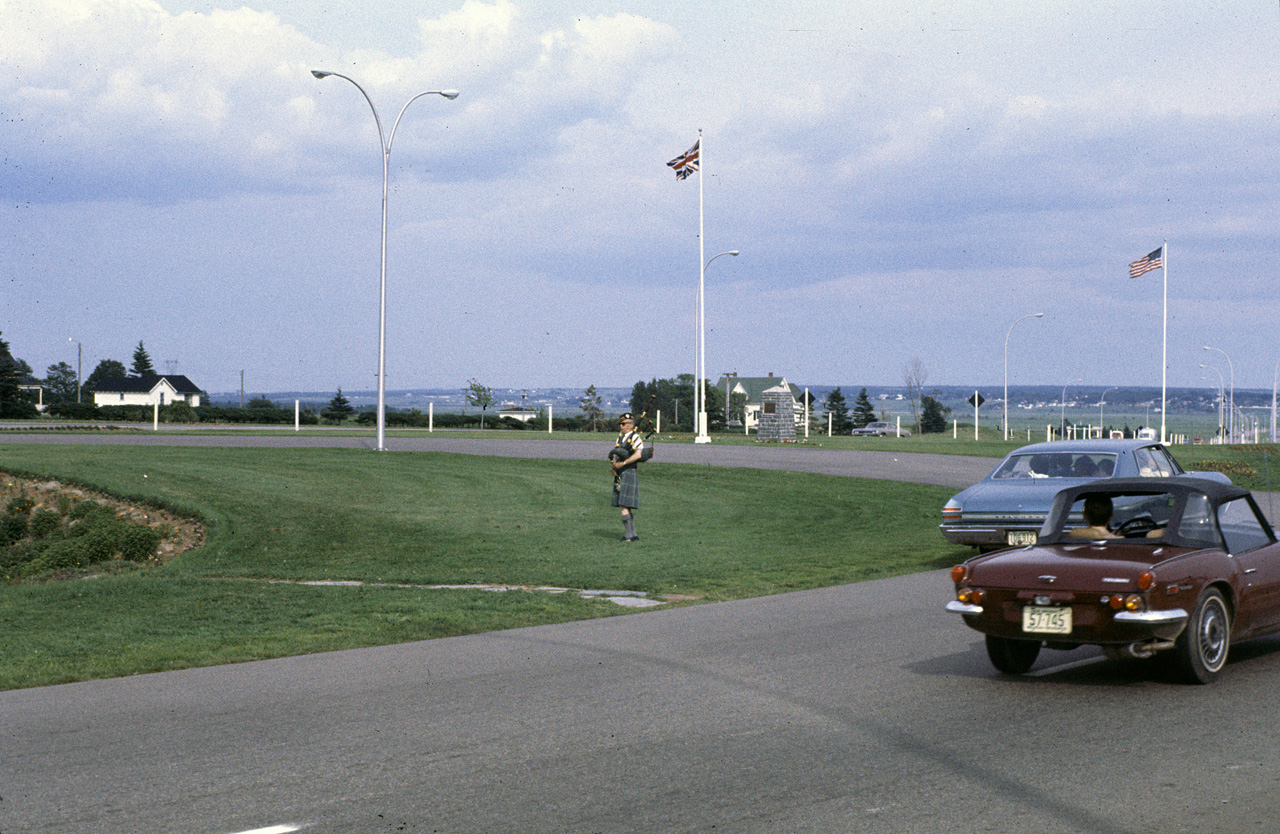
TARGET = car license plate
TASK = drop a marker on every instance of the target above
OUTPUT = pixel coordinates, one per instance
(1018, 538)
(1040, 620)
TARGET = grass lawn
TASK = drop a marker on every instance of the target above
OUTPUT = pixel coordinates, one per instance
(418, 519)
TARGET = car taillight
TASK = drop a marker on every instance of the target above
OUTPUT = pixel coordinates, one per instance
(951, 513)
(958, 573)
(1146, 580)
(1132, 602)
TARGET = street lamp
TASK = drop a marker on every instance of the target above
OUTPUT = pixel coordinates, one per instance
(1063, 423)
(1006, 368)
(1231, 414)
(79, 362)
(385, 142)
(700, 392)
(1101, 403)
(1221, 398)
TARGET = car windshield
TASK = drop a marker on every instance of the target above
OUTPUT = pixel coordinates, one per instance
(1057, 465)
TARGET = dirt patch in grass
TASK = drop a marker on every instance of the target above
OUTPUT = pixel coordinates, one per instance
(178, 534)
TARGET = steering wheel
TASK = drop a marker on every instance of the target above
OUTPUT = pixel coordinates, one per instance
(1137, 527)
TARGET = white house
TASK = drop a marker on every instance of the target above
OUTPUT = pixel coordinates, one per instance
(151, 389)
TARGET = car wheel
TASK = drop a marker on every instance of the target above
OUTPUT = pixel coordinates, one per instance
(1013, 657)
(1202, 648)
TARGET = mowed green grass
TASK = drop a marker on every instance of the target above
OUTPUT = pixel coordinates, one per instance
(418, 519)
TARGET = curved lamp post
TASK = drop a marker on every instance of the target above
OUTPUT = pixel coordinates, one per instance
(1006, 368)
(1221, 398)
(700, 392)
(1101, 402)
(1231, 413)
(385, 142)
(1064, 406)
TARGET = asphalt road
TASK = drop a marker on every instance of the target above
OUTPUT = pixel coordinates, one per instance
(944, 470)
(860, 708)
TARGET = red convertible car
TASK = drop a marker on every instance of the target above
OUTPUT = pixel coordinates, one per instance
(1137, 566)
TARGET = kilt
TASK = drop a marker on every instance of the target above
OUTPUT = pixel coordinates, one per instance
(626, 489)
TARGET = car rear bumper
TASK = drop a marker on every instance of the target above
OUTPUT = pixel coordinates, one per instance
(986, 535)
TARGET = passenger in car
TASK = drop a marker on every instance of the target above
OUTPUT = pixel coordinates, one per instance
(1097, 514)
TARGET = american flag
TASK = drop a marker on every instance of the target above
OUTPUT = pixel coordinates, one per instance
(1144, 265)
(687, 162)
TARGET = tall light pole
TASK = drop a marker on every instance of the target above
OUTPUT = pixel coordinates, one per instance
(1064, 406)
(1006, 368)
(385, 141)
(79, 362)
(1231, 415)
(1221, 397)
(1101, 403)
(700, 392)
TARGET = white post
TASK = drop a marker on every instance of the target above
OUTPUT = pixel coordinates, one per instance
(431, 417)
(955, 428)
(297, 416)
(657, 424)
(899, 424)
(975, 414)
(806, 414)
(155, 415)
(549, 410)
(829, 424)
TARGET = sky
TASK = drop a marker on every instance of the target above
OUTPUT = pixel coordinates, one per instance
(903, 180)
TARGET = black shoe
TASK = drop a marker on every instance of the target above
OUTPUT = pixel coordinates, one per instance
(631, 539)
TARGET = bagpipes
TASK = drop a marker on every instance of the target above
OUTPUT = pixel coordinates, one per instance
(646, 428)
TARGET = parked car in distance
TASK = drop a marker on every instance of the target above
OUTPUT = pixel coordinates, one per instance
(880, 430)
(1006, 508)
(1185, 565)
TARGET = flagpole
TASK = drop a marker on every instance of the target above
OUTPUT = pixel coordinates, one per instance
(701, 393)
(1164, 359)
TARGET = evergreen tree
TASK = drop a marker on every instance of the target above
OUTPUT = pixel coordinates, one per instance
(836, 406)
(933, 415)
(13, 372)
(339, 409)
(863, 411)
(142, 362)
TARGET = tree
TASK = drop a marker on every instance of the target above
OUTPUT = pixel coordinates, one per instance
(914, 376)
(261, 402)
(13, 372)
(933, 415)
(591, 408)
(836, 406)
(339, 409)
(61, 383)
(478, 395)
(863, 411)
(672, 397)
(107, 369)
(142, 362)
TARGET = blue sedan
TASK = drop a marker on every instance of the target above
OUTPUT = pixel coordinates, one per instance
(1008, 507)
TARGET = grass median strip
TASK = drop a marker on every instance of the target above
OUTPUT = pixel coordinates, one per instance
(421, 519)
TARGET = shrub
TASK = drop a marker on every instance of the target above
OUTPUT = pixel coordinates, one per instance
(138, 543)
(44, 524)
(20, 505)
(1230, 468)
(82, 509)
(13, 527)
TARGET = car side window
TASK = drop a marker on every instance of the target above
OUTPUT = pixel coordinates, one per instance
(1147, 466)
(1196, 528)
(1241, 529)
(1167, 464)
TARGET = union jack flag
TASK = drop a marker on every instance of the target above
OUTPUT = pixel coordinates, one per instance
(1144, 265)
(687, 162)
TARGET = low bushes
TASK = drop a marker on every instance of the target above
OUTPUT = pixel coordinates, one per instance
(37, 539)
